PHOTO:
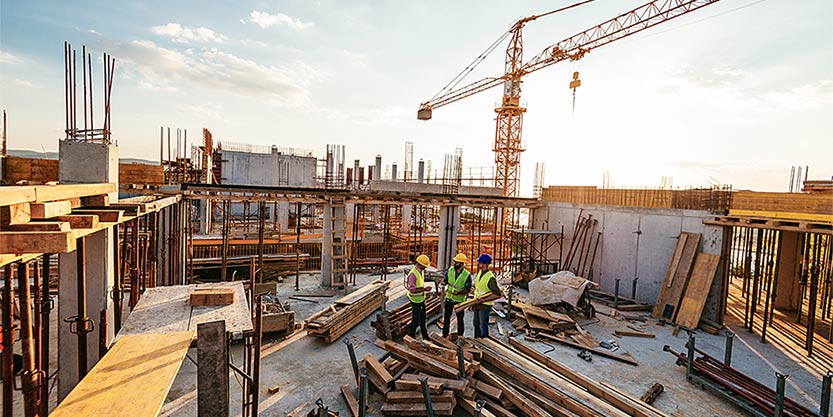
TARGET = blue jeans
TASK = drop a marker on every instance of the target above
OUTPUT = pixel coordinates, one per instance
(481, 322)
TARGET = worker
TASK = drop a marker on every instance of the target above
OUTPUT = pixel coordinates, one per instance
(485, 285)
(458, 284)
(415, 283)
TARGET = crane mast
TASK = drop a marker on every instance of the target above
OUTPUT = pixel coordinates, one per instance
(508, 144)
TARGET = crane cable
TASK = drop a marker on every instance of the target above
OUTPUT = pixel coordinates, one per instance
(480, 58)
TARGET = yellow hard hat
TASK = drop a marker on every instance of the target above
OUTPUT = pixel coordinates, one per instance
(461, 258)
(423, 260)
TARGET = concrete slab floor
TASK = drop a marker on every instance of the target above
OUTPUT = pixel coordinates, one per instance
(306, 368)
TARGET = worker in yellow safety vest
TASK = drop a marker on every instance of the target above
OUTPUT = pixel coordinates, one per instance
(415, 283)
(458, 284)
(485, 285)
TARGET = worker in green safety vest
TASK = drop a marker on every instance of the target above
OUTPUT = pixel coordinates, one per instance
(458, 284)
(415, 284)
(485, 285)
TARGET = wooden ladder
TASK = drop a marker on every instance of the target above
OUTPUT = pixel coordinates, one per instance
(338, 258)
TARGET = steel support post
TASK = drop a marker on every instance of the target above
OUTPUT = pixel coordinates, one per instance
(727, 352)
(429, 407)
(690, 358)
(780, 388)
(363, 392)
(824, 405)
(353, 360)
(8, 342)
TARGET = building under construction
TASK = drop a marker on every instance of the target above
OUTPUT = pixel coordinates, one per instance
(239, 279)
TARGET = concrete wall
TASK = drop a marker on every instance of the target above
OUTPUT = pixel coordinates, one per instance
(637, 243)
(274, 169)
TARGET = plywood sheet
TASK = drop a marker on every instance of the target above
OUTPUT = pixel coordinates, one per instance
(691, 306)
(674, 285)
(168, 309)
(131, 380)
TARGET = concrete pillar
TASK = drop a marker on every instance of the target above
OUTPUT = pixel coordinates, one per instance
(449, 226)
(205, 217)
(282, 214)
(406, 218)
(377, 169)
(421, 171)
(788, 291)
(85, 162)
(393, 172)
(327, 239)
(356, 164)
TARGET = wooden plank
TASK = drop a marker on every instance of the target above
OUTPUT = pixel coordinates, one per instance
(417, 409)
(528, 407)
(452, 384)
(17, 194)
(15, 214)
(107, 216)
(694, 300)
(634, 334)
(67, 191)
(421, 361)
(417, 397)
(37, 242)
(413, 385)
(352, 402)
(50, 209)
(79, 221)
(669, 275)
(487, 390)
(39, 227)
(676, 287)
(623, 402)
(212, 296)
(96, 200)
(131, 380)
(375, 367)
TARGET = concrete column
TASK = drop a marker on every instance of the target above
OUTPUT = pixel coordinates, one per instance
(327, 239)
(205, 217)
(393, 172)
(377, 168)
(449, 226)
(406, 218)
(788, 291)
(421, 171)
(282, 214)
(85, 162)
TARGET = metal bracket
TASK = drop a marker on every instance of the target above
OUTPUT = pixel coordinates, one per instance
(89, 324)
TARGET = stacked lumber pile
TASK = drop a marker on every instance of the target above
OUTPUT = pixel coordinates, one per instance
(345, 313)
(132, 173)
(508, 379)
(561, 328)
(399, 318)
(687, 282)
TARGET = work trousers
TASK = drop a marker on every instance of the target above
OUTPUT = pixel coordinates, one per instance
(481, 322)
(449, 309)
(418, 320)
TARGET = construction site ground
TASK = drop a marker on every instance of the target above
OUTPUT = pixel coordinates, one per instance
(306, 369)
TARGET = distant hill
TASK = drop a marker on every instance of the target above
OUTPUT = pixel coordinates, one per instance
(26, 153)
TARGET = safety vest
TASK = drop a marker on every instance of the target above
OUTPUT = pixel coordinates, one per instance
(481, 285)
(456, 283)
(416, 297)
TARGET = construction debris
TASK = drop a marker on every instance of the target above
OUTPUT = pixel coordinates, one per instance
(399, 319)
(346, 312)
(276, 316)
(652, 393)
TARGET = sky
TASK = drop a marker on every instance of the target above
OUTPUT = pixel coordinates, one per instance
(734, 93)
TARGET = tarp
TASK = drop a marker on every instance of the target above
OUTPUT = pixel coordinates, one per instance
(561, 287)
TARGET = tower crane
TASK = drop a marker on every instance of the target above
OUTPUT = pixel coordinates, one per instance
(509, 121)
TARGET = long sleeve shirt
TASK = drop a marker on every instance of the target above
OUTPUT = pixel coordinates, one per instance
(468, 284)
(412, 282)
(494, 289)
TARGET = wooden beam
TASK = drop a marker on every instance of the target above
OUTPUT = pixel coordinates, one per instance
(39, 227)
(37, 242)
(102, 200)
(67, 191)
(212, 369)
(17, 213)
(50, 209)
(16, 195)
(79, 221)
(107, 216)
(352, 402)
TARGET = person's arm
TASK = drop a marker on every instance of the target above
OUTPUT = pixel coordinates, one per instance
(493, 288)
(466, 287)
(445, 278)
(412, 285)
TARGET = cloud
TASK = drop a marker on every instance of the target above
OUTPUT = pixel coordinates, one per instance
(184, 34)
(801, 97)
(212, 69)
(10, 58)
(265, 20)
(252, 43)
(204, 111)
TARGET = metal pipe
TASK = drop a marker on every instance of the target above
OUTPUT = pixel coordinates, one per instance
(616, 295)
(8, 342)
(727, 352)
(46, 307)
(353, 361)
(461, 362)
(690, 358)
(824, 405)
(363, 392)
(780, 388)
(81, 320)
(255, 392)
(429, 407)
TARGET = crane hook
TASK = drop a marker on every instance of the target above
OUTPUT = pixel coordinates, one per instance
(575, 83)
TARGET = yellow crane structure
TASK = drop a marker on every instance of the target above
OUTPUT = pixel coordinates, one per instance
(509, 122)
